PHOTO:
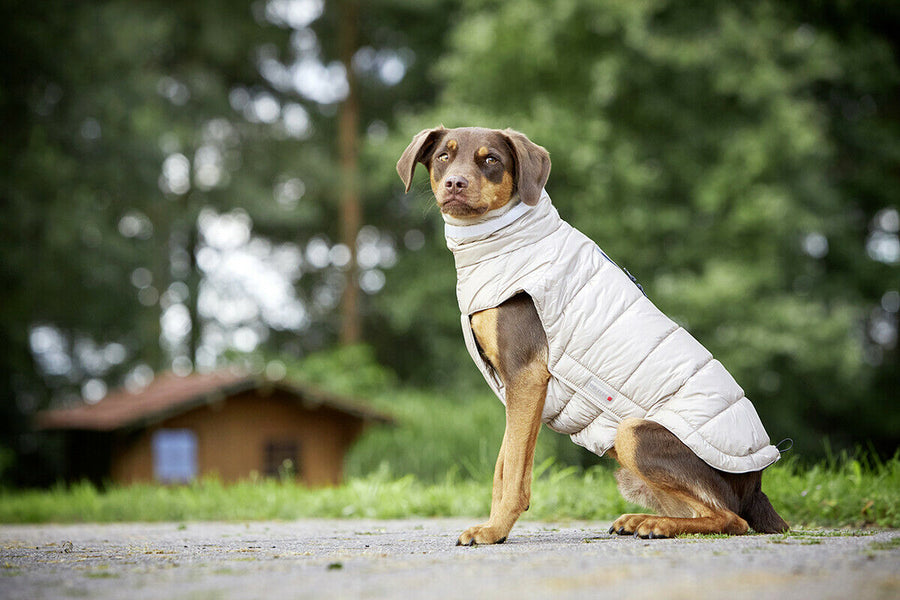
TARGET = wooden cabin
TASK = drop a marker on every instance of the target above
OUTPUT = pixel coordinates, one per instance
(216, 424)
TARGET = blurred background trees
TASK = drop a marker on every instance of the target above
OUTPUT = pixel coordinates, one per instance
(176, 194)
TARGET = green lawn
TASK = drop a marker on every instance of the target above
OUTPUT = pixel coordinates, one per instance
(844, 493)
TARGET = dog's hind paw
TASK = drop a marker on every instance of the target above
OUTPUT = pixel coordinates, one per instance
(628, 524)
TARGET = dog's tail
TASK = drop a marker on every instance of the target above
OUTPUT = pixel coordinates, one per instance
(760, 514)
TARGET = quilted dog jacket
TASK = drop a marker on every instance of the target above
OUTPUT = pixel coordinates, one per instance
(612, 353)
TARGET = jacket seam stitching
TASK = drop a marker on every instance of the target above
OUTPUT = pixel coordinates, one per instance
(664, 401)
(652, 350)
(595, 275)
(614, 321)
(695, 432)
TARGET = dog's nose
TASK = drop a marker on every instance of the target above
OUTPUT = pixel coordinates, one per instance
(456, 183)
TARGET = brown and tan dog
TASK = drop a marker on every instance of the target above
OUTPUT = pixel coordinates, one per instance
(476, 172)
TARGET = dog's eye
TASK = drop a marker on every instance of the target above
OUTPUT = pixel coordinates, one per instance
(444, 157)
(491, 160)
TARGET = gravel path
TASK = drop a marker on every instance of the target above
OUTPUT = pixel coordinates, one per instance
(417, 559)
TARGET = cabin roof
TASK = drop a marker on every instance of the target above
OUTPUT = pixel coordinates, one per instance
(169, 395)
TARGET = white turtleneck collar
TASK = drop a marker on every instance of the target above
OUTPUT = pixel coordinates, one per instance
(460, 229)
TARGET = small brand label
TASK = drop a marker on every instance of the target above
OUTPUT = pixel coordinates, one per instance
(601, 390)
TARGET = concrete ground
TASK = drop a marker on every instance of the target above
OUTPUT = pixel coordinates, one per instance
(417, 558)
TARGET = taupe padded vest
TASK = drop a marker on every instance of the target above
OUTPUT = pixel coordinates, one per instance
(613, 354)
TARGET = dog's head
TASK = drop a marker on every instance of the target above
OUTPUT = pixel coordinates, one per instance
(475, 170)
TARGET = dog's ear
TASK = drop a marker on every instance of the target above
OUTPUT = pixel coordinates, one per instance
(418, 151)
(532, 166)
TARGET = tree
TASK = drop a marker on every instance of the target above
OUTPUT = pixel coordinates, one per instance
(102, 105)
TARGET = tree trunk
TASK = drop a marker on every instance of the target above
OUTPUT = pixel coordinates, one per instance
(193, 282)
(348, 148)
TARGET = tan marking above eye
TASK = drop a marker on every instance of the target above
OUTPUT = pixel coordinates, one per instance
(482, 152)
(452, 145)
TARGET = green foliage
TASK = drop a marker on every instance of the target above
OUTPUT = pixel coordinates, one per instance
(694, 143)
(853, 490)
(349, 370)
(7, 457)
(434, 435)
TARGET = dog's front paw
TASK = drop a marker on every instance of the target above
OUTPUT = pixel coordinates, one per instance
(481, 534)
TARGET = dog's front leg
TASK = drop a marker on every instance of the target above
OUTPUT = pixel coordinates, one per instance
(512, 476)
(526, 390)
(497, 487)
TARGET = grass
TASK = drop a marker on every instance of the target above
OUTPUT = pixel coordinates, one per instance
(845, 493)
(837, 492)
